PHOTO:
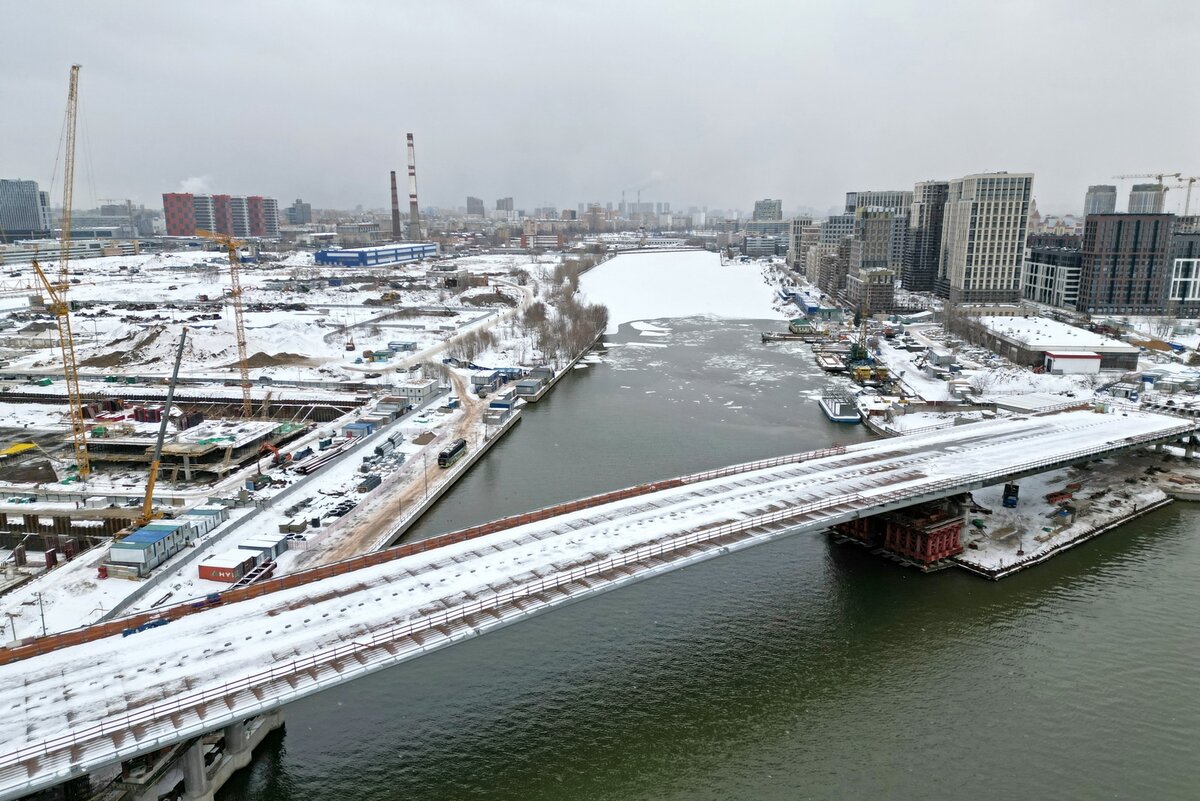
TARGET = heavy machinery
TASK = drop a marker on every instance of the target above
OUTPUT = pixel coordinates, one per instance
(1187, 181)
(1157, 176)
(239, 316)
(277, 457)
(148, 502)
(57, 290)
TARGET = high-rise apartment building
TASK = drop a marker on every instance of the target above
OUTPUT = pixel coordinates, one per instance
(1183, 296)
(24, 210)
(475, 206)
(802, 235)
(891, 199)
(504, 204)
(179, 213)
(871, 279)
(1126, 264)
(1100, 199)
(983, 238)
(922, 245)
(836, 228)
(222, 214)
(270, 210)
(256, 215)
(299, 213)
(204, 210)
(1053, 266)
(240, 216)
(1146, 199)
(768, 210)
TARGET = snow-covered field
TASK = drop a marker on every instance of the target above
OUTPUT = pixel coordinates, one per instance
(653, 286)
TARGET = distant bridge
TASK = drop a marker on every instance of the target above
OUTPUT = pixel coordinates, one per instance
(75, 702)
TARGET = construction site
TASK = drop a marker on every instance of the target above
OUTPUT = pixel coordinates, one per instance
(153, 404)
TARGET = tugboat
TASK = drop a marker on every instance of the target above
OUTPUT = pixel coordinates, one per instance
(839, 406)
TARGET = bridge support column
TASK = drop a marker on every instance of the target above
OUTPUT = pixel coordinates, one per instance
(1189, 448)
(195, 778)
(235, 738)
(187, 468)
(1158, 448)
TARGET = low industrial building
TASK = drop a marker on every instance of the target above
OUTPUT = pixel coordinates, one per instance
(417, 390)
(377, 256)
(1073, 362)
(1027, 340)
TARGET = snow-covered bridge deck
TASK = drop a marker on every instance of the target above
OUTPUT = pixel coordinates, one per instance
(78, 707)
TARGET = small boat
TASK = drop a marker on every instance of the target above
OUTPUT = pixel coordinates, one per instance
(840, 407)
(775, 336)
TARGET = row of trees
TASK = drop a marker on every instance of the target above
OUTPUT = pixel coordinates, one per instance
(566, 327)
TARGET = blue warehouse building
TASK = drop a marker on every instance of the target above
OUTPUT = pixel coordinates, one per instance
(382, 254)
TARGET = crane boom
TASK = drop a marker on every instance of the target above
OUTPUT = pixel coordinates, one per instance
(1158, 176)
(58, 290)
(148, 501)
(235, 281)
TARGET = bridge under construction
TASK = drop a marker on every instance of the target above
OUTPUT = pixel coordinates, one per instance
(195, 668)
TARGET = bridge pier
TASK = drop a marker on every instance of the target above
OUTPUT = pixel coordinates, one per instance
(235, 738)
(195, 776)
(240, 740)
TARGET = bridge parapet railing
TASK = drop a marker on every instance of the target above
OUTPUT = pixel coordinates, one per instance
(183, 703)
(40, 645)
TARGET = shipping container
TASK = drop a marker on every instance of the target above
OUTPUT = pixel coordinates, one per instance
(271, 544)
(221, 513)
(227, 567)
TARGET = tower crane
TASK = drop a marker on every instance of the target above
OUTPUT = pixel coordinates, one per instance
(57, 290)
(133, 231)
(1158, 176)
(231, 247)
(148, 501)
(1187, 198)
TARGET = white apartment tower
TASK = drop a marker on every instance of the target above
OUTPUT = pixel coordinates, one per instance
(239, 211)
(206, 216)
(983, 238)
(270, 218)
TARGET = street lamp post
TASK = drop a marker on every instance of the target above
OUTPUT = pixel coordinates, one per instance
(12, 622)
(42, 610)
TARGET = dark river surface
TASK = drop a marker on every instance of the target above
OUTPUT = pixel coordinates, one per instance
(798, 669)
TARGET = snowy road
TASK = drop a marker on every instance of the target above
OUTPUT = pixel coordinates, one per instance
(58, 711)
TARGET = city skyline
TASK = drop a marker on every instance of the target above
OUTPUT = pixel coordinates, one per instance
(591, 133)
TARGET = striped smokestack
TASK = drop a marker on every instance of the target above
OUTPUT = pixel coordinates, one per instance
(414, 219)
(395, 210)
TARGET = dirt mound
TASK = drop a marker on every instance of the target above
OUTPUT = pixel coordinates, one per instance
(115, 359)
(119, 358)
(261, 359)
(489, 299)
(36, 328)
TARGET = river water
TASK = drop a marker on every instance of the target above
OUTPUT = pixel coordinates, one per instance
(798, 669)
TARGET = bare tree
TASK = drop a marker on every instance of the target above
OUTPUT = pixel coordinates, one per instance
(981, 382)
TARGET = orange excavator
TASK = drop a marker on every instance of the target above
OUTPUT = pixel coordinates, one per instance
(277, 458)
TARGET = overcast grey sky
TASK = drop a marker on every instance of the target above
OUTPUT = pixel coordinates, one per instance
(711, 103)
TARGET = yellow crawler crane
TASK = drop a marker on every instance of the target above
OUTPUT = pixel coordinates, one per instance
(231, 247)
(57, 290)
